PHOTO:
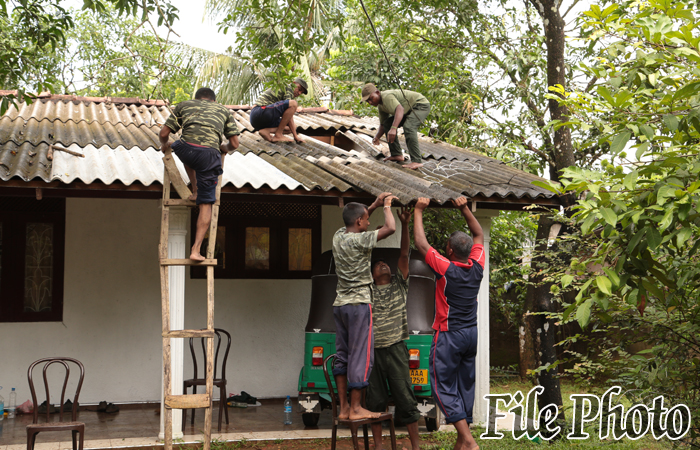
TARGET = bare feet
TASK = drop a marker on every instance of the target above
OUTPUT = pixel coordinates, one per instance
(282, 138)
(299, 140)
(197, 257)
(361, 413)
(395, 158)
(344, 413)
(413, 165)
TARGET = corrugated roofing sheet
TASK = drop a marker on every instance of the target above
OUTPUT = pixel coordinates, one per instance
(317, 121)
(78, 111)
(109, 165)
(119, 141)
(46, 131)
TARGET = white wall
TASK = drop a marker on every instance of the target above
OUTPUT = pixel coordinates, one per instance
(111, 310)
(112, 319)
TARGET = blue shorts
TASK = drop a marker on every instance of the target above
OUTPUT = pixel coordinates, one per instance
(206, 162)
(453, 372)
(268, 116)
(354, 343)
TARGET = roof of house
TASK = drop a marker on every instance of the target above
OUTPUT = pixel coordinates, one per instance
(119, 141)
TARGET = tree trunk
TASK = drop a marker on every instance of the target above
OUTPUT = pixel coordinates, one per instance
(562, 154)
(542, 331)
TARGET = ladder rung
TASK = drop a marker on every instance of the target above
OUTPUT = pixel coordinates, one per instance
(187, 262)
(187, 401)
(179, 202)
(189, 333)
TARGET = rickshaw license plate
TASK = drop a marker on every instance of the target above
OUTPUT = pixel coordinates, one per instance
(419, 376)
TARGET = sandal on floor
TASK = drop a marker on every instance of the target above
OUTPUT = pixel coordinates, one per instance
(68, 406)
(112, 408)
(42, 409)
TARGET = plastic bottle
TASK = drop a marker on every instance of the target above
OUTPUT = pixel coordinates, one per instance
(12, 404)
(2, 407)
(288, 411)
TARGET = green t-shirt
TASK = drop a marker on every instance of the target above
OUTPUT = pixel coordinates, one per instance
(393, 97)
(353, 253)
(202, 122)
(269, 96)
(389, 311)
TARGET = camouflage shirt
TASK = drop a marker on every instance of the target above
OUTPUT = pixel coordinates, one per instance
(389, 311)
(269, 96)
(352, 253)
(393, 98)
(202, 122)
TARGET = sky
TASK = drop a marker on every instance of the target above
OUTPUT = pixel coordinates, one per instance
(198, 31)
(193, 28)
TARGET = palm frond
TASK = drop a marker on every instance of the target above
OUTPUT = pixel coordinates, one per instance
(235, 80)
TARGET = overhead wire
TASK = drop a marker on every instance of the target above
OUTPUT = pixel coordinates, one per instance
(381, 47)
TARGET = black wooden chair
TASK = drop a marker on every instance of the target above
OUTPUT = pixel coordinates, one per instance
(219, 382)
(74, 426)
(353, 424)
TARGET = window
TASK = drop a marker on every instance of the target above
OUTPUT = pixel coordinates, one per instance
(264, 240)
(31, 259)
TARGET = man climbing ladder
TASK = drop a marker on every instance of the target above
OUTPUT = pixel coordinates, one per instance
(203, 123)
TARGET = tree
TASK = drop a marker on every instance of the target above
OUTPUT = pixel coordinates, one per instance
(115, 56)
(277, 41)
(639, 215)
(35, 26)
(32, 30)
(489, 71)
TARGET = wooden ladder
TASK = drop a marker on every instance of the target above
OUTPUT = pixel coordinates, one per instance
(172, 175)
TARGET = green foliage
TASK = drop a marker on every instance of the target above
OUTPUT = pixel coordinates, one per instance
(34, 31)
(31, 31)
(453, 53)
(279, 40)
(639, 218)
(512, 236)
(110, 55)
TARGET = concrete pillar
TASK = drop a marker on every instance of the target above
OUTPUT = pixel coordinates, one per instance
(483, 361)
(177, 249)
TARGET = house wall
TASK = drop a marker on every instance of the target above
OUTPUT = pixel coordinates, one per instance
(111, 316)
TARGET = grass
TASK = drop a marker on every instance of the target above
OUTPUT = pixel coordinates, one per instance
(446, 440)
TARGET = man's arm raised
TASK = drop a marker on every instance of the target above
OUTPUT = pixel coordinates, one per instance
(418, 231)
(405, 217)
(379, 201)
(389, 226)
(473, 224)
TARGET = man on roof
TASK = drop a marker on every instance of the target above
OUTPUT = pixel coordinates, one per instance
(273, 111)
(397, 108)
(203, 123)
